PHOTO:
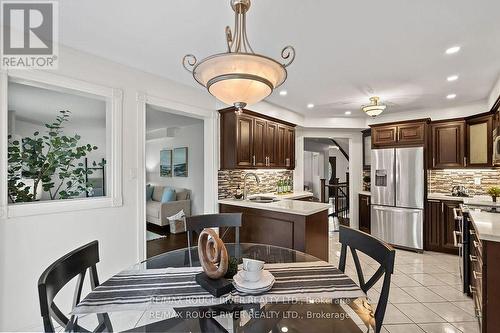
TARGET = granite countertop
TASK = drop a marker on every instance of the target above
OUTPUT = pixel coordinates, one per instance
(483, 200)
(486, 224)
(285, 204)
(365, 192)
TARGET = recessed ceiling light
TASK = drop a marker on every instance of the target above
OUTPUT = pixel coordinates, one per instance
(453, 49)
(452, 78)
(451, 96)
(283, 92)
(347, 112)
(310, 105)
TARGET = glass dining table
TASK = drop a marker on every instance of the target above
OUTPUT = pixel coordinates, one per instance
(337, 315)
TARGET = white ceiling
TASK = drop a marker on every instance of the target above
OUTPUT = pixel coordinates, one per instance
(346, 50)
(158, 118)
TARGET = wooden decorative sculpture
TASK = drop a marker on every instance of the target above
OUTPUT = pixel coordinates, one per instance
(212, 251)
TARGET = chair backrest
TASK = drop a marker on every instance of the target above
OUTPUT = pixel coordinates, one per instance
(57, 275)
(380, 252)
(199, 222)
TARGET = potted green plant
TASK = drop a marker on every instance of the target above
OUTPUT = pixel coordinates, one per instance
(48, 162)
(494, 191)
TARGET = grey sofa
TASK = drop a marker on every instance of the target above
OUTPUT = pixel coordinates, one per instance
(157, 212)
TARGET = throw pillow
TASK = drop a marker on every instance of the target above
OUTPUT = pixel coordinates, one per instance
(149, 192)
(168, 195)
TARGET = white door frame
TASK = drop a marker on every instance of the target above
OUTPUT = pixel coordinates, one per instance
(210, 121)
(355, 164)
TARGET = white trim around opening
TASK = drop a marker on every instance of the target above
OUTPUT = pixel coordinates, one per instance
(210, 121)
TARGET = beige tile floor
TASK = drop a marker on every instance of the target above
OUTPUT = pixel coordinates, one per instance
(425, 293)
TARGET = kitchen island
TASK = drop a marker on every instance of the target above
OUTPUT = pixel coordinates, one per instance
(288, 222)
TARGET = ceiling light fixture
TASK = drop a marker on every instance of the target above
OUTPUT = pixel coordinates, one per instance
(283, 93)
(375, 108)
(453, 50)
(239, 76)
(451, 96)
(347, 112)
(452, 78)
(310, 105)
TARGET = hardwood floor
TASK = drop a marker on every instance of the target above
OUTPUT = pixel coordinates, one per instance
(169, 243)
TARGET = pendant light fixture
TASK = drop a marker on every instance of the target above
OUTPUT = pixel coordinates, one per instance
(239, 76)
(375, 108)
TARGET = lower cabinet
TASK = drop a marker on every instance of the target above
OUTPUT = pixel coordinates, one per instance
(440, 226)
(484, 276)
(364, 213)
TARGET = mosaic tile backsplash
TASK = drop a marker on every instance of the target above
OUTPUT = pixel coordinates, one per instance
(230, 179)
(441, 181)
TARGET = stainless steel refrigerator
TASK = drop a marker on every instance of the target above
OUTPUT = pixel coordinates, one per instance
(397, 196)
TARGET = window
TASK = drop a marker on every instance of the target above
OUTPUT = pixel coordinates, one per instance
(62, 145)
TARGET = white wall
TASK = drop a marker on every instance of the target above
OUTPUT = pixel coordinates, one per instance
(342, 164)
(187, 136)
(29, 244)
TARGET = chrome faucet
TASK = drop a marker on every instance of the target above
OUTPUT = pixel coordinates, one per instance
(245, 183)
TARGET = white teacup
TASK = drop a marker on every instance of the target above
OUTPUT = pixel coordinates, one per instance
(252, 269)
(252, 265)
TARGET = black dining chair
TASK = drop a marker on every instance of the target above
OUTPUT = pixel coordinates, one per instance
(224, 220)
(57, 275)
(379, 251)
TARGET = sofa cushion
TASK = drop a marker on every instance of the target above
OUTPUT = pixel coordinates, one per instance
(153, 209)
(149, 192)
(168, 195)
(182, 194)
(158, 193)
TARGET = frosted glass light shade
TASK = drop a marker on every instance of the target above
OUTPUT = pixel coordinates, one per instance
(240, 77)
(374, 110)
(231, 91)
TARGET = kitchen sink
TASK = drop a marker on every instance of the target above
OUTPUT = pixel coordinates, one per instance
(262, 199)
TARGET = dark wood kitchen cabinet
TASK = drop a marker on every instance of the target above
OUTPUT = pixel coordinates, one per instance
(447, 144)
(440, 226)
(250, 140)
(364, 213)
(384, 135)
(401, 134)
(484, 276)
(244, 139)
(479, 141)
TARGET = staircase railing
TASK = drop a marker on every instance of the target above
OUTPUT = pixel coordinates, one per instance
(337, 194)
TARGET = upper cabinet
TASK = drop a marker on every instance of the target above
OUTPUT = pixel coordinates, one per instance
(384, 135)
(411, 133)
(479, 137)
(253, 141)
(447, 144)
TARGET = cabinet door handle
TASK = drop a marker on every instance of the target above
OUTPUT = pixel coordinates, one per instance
(465, 161)
(477, 275)
(472, 258)
(472, 289)
(442, 207)
(433, 161)
(253, 160)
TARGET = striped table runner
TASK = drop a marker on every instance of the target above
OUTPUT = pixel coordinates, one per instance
(160, 289)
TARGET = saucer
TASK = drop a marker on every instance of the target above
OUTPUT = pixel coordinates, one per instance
(264, 284)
